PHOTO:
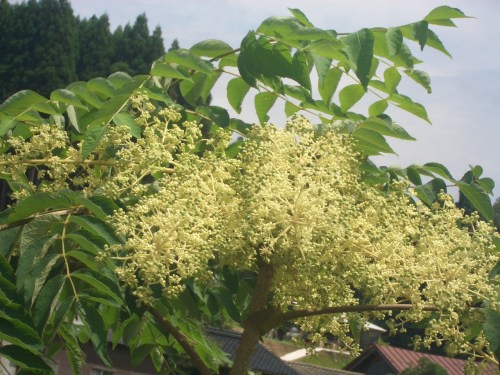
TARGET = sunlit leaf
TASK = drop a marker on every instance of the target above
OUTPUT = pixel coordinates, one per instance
(359, 49)
(422, 78)
(188, 59)
(478, 198)
(263, 103)
(350, 95)
(210, 48)
(237, 89)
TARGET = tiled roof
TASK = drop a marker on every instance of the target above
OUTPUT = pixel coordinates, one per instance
(263, 360)
(400, 359)
(308, 369)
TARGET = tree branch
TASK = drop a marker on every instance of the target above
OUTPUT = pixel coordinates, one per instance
(183, 341)
(276, 317)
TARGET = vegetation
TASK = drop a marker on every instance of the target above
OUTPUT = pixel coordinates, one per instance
(44, 47)
(140, 216)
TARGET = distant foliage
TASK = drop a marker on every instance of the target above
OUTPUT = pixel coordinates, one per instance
(43, 46)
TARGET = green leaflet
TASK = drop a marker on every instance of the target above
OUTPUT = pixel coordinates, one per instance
(377, 108)
(350, 95)
(188, 59)
(444, 12)
(329, 83)
(428, 192)
(199, 88)
(421, 77)
(21, 102)
(217, 115)
(301, 17)
(419, 33)
(392, 79)
(413, 175)
(405, 103)
(170, 71)
(237, 89)
(263, 103)
(438, 169)
(290, 29)
(73, 119)
(96, 227)
(210, 48)
(93, 137)
(100, 282)
(359, 49)
(101, 86)
(25, 359)
(8, 240)
(385, 126)
(16, 326)
(35, 241)
(394, 38)
(37, 276)
(478, 197)
(67, 97)
(97, 329)
(125, 118)
(291, 109)
(74, 354)
(139, 353)
(47, 300)
(120, 80)
(370, 142)
(83, 93)
(246, 60)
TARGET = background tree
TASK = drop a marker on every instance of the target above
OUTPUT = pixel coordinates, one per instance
(45, 47)
(95, 47)
(135, 48)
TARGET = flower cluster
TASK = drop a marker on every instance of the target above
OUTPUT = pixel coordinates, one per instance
(119, 164)
(296, 199)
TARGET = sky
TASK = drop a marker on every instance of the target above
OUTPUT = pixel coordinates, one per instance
(464, 106)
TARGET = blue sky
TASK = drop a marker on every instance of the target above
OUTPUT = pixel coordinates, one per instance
(464, 106)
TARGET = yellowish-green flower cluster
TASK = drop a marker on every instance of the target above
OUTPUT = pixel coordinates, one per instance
(297, 200)
(116, 167)
(45, 147)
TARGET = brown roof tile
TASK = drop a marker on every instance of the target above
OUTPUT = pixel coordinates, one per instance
(401, 359)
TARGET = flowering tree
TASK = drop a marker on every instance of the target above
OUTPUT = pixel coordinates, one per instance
(139, 215)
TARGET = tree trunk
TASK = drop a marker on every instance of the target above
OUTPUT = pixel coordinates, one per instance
(253, 329)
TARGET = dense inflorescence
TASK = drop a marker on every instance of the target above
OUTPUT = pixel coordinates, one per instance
(293, 198)
(296, 199)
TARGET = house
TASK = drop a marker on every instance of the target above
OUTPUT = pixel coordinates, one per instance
(383, 360)
(263, 360)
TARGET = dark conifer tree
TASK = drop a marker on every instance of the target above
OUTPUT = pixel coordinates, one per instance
(43, 46)
(95, 48)
(6, 33)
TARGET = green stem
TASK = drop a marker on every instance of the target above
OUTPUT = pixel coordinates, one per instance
(63, 251)
(183, 341)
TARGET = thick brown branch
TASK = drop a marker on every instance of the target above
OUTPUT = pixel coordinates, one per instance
(183, 341)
